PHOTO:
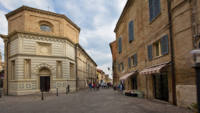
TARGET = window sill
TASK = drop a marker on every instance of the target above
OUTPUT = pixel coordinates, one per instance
(157, 57)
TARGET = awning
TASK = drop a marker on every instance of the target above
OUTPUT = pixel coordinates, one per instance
(124, 77)
(153, 70)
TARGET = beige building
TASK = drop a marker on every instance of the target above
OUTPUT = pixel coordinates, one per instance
(101, 76)
(86, 68)
(154, 39)
(1, 63)
(40, 52)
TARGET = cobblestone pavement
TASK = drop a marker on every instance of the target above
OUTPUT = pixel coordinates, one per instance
(103, 101)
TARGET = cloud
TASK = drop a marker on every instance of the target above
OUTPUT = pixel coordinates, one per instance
(3, 30)
(13, 4)
(97, 20)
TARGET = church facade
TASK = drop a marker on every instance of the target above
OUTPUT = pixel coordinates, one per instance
(40, 52)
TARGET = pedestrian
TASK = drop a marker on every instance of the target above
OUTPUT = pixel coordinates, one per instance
(90, 86)
(94, 86)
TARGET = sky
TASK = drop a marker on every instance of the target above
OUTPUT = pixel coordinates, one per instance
(96, 18)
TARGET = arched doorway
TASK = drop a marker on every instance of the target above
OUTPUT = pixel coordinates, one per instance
(44, 74)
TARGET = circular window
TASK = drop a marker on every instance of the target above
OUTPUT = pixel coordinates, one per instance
(45, 28)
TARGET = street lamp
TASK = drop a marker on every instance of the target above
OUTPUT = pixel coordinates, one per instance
(196, 54)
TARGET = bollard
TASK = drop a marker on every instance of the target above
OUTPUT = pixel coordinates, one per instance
(42, 98)
(56, 91)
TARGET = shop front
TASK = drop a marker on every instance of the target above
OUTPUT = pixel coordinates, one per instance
(157, 86)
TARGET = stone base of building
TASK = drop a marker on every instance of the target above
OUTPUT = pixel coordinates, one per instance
(186, 95)
(32, 92)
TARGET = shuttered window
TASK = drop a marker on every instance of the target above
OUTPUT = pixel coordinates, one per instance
(164, 45)
(119, 67)
(154, 9)
(122, 65)
(129, 62)
(120, 45)
(134, 57)
(135, 60)
(150, 55)
(131, 31)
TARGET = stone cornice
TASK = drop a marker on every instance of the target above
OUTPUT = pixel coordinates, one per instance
(35, 34)
(45, 56)
(42, 12)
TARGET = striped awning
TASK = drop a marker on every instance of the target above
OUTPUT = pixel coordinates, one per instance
(124, 77)
(153, 70)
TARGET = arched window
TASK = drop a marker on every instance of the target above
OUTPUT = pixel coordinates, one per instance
(46, 26)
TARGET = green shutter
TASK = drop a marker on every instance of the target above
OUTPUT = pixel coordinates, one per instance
(136, 60)
(131, 31)
(164, 45)
(120, 45)
(150, 52)
(154, 9)
(129, 62)
(119, 67)
(151, 15)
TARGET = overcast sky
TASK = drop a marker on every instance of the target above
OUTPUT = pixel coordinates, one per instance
(96, 18)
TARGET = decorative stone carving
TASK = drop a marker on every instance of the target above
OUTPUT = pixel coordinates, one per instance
(38, 67)
(43, 38)
(43, 48)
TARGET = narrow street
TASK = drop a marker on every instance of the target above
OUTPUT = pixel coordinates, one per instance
(103, 101)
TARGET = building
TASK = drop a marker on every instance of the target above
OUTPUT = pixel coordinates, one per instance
(107, 79)
(154, 39)
(86, 68)
(113, 47)
(101, 76)
(1, 63)
(40, 52)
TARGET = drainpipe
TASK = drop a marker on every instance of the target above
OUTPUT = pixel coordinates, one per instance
(7, 63)
(172, 53)
(76, 46)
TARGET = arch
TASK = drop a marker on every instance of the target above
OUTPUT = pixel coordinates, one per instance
(44, 71)
(46, 26)
(41, 66)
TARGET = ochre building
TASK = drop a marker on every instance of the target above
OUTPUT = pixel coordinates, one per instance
(86, 68)
(154, 39)
(40, 52)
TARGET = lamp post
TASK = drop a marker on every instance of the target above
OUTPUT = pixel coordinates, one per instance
(196, 54)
